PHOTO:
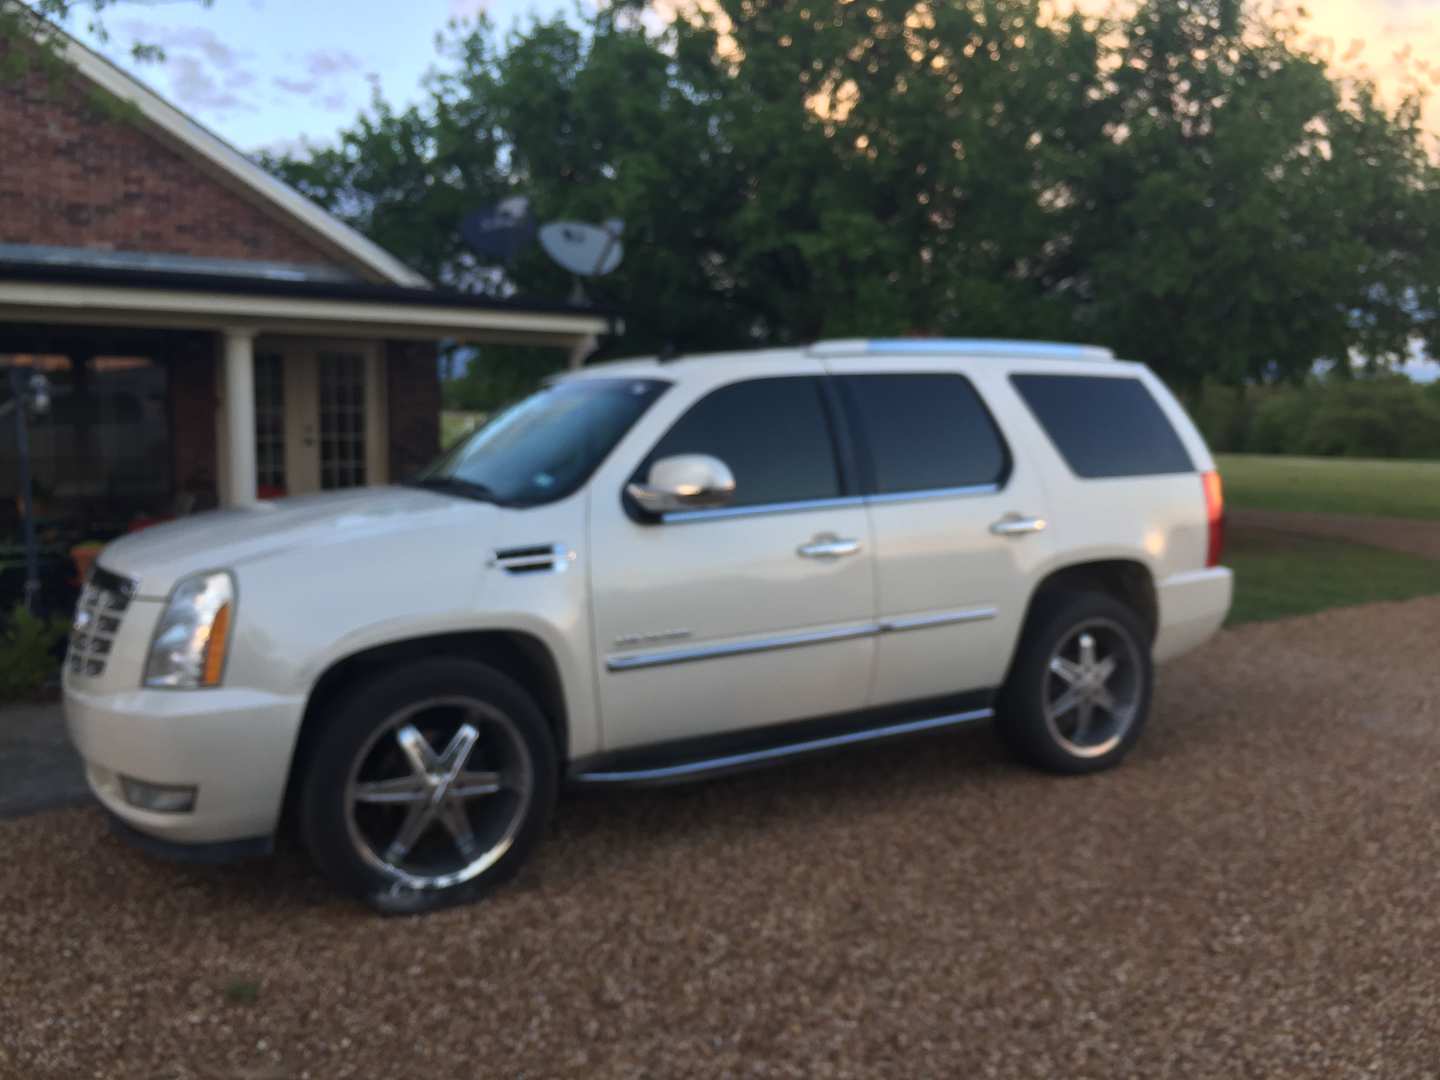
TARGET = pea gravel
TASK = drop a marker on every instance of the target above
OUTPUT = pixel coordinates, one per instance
(1252, 894)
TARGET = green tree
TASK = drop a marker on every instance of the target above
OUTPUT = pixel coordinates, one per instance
(1186, 183)
(34, 20)
(1248, 217)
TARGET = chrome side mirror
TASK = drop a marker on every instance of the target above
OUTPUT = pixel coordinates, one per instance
(684, 482)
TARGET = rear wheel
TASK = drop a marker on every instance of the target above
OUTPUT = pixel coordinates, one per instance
(431, 785)
(1079, 690)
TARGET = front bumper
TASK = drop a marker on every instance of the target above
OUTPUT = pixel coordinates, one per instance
(1193, 607)
(233, 745)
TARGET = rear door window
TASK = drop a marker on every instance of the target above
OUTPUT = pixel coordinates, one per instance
(923, 432)
(1104, 426)
(774, 434)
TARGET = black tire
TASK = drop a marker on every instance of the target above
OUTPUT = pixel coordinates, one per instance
(511, 739)
(1043, 741)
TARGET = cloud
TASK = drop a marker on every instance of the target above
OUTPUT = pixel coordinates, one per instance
(194, 88)
(185, 40)
(325, 62)
(296, 86)
(325, 78)
(204, 72)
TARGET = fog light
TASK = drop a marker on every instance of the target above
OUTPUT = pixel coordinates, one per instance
(158, 798)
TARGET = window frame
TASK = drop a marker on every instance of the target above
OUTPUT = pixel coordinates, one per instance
(842, 448)
(865, 456)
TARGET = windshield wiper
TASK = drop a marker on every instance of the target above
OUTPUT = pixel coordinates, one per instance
(454, 485)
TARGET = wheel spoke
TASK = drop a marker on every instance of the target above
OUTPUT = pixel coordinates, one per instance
(1067, 670)
(470, 784)
(1064, 703)
(452, 761)
(417, 750)
(417, 819)
(1082, 721)
(401, 789)
(457, 824)
(1087, 651)
(1103, 699)
(1105, 669)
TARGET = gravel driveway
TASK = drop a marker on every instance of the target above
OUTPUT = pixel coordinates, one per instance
(1253, 894)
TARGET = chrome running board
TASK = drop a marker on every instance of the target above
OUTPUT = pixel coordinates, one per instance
(701, 768)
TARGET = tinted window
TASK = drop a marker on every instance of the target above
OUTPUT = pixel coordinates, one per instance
(773, 433)
(1104, 426)
(924, 432)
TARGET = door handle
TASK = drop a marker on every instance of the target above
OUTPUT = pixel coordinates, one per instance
(827, 546)
(1018, 525)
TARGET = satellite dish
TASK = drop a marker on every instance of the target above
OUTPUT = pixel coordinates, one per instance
(501, 231)
(585, 250)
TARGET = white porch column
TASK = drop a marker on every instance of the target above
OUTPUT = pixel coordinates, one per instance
(238, 358)
(581, 349)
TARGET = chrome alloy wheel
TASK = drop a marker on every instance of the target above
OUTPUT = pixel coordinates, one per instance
(1094, 685)
(438, 793)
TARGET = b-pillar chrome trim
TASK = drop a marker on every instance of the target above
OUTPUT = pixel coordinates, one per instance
(896, 624)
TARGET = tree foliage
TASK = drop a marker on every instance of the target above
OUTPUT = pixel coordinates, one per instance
(1186, 183)
(1383, 415)
(33, 22)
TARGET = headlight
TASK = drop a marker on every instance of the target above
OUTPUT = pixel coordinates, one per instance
(191, 639)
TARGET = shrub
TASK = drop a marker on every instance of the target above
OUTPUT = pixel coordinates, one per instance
(28, 653)
(1376, 416)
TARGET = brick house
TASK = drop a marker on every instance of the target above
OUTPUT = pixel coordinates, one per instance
(210, 335)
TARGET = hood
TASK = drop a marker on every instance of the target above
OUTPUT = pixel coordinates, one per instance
(160, 556)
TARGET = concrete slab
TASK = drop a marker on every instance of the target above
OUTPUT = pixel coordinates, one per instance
(39, 769)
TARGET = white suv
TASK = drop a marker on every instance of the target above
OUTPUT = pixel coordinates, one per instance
(650, 572)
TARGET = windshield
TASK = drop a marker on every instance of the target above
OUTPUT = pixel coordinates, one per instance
(544, 447)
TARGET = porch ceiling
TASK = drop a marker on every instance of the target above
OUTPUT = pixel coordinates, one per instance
(54, 295)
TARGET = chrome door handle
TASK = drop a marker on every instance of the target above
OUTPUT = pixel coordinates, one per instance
(827, 546)
(1018, 525)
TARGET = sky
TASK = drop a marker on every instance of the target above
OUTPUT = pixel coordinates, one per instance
(266, 74)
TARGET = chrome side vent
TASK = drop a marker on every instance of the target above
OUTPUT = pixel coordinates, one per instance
(536, 559)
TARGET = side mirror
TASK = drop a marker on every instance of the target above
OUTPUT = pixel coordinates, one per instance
(684, 482)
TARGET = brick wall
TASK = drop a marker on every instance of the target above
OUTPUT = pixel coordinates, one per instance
(75, 175)
(412, 394)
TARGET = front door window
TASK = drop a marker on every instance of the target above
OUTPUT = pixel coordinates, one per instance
(342, 420)
(269, 425)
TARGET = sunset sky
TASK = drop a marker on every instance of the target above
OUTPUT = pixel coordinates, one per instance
(267, 72)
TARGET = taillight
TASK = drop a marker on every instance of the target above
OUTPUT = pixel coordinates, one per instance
(1215, 515)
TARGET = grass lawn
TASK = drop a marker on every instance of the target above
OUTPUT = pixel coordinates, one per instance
(1409, 489)
(1279, 574)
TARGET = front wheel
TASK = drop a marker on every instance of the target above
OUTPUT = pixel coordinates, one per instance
(430, 784)
(1079, 690)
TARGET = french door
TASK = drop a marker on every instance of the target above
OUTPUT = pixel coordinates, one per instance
(319, 417)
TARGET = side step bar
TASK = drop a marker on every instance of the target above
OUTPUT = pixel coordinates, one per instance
(703, 768)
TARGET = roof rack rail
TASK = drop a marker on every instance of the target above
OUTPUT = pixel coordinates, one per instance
(1032, 350)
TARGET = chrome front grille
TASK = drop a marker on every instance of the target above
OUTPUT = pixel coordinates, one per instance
(97, 621)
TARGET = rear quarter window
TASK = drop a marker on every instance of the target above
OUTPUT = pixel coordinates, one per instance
(1104, 426)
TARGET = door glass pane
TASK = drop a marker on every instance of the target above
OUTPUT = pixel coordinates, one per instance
(924, 432)
(269, 425)
(772, 433)
(342, 420)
